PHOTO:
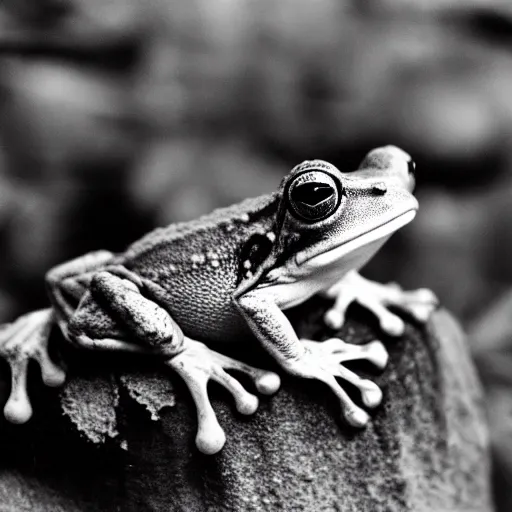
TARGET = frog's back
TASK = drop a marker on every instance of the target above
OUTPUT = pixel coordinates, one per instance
(196, 266)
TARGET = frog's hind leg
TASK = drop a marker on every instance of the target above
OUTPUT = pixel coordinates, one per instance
(25, 339)
(67, 283)
(142, 319)
(114, 315)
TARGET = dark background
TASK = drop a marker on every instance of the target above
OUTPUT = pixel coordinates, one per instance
(120, 115)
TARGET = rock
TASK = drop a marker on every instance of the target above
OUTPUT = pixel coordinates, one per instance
(425, 449)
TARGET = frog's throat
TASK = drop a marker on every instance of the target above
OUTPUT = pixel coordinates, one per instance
(327, 258)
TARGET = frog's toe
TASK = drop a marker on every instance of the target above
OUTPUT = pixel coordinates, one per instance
(25, 339)
(326, 372)
(356, 417)
(334, 318)
(266, 382)
(390, 323)
(336, 349)
(335, 315)
(420, 304)
(376, 353)
(245, 402)
(353, 414)
(18, 408)
(210, 437)
(52, 375)
(371, 394)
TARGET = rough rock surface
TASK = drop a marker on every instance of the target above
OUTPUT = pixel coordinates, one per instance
(425, 449)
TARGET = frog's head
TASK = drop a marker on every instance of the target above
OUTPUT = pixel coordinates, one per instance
(332, 219)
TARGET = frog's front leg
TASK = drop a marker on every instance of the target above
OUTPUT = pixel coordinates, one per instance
(377, 298)
(193, 361)
(310, 359)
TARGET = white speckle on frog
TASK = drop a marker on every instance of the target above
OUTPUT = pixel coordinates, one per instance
(271, 236)
(247, 264)
(215, 263)
(244, 217)
(197, 258)
(172, 268)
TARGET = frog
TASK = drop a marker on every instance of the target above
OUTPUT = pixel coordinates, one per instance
(185, 293)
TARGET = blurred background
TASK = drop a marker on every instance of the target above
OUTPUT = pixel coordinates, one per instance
(120, 115)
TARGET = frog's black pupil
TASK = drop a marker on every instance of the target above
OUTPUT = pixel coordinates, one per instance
(412, 166)
(312, 193)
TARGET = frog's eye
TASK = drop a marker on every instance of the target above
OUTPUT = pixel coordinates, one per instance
(411, 164)
(313, 196)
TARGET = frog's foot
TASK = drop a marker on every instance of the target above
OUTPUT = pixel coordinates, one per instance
(25, 339)
(378, 298)
(197, 365)
(322, 361)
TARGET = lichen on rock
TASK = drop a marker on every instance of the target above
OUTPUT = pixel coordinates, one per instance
(91, 401)
(153, 390)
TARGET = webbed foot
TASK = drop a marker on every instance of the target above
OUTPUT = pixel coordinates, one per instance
(377, 298)
(197, 365)
(25, 339)
(322, 361)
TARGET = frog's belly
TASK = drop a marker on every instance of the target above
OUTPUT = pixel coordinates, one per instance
(204, 310)
(220, 323)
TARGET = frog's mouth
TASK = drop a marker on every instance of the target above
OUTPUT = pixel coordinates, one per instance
(356, 244)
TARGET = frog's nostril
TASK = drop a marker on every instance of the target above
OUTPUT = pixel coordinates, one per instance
(411, 165)
(379, 189)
